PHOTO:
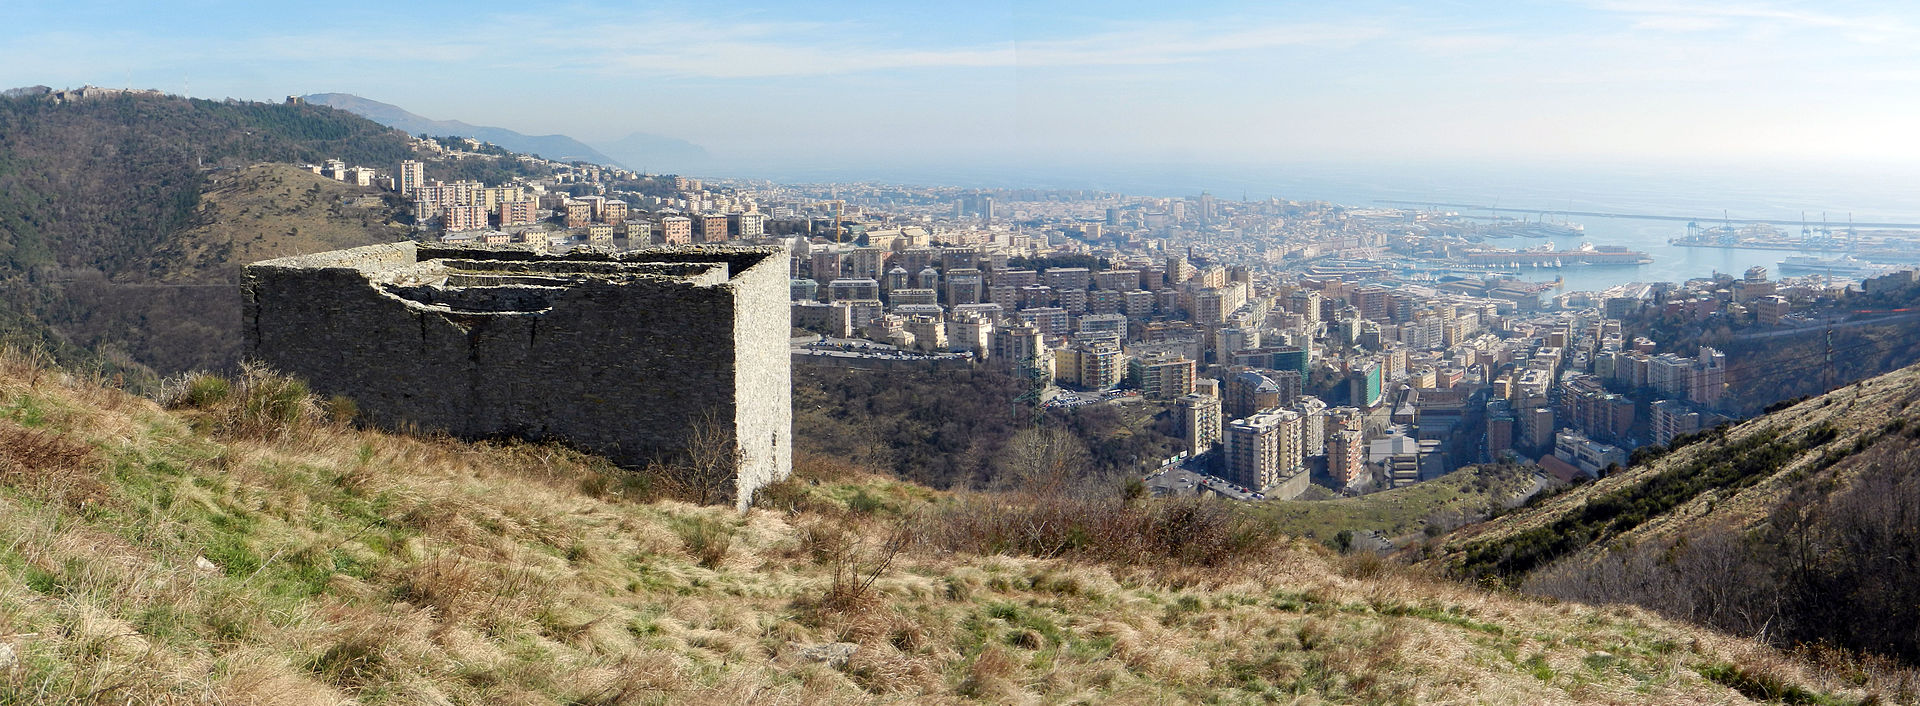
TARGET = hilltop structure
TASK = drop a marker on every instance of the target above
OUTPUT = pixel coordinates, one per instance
(640, 356)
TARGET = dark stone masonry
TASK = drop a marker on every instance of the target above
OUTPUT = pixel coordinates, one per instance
(623, 354)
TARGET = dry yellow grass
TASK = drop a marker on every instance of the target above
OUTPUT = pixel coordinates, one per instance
(1852, 412)
(271, 210)
(314, 563)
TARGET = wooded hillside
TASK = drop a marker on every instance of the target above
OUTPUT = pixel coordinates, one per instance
(98, 195)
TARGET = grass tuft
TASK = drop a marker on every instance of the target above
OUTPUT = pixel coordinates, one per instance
(707, 540)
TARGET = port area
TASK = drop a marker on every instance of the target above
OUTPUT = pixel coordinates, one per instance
(1463, 242)
(1880, 245)
(1586, 255)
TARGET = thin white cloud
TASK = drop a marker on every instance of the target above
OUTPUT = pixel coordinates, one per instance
(1174, 44)
(716, 50)
(1724, 16)
(1402, 79)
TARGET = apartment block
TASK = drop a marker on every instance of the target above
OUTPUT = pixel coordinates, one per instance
(678, 230)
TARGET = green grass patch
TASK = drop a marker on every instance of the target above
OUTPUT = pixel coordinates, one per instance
(1399, 511)
(166, 623)
(42, 581)
(1767, 687)
(1538, 667)
(233, 554)
(1451, 616)
(27, 411)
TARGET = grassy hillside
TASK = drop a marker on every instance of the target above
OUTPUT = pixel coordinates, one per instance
(273, 210)
(244, 547)
(181, 311)
(1732, 477)
(1405, 513)
(104, 195)
(1795, 526)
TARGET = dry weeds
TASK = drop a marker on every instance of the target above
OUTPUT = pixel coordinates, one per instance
(352, 566)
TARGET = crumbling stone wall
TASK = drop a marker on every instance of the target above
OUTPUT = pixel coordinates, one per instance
(623, 354)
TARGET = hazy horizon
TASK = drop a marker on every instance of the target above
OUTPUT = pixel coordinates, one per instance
(877, 85)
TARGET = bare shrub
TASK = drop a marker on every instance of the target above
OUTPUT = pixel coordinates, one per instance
(1831, 564)
(1044, 461)
(856, 566)
(703, 473)
(1449, 519)
(815, 467)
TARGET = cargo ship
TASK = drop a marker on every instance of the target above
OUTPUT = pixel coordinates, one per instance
(1534, 229)
(1587, 254)
(1844, 266)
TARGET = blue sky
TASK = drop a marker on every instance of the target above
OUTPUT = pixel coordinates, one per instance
(893, 83)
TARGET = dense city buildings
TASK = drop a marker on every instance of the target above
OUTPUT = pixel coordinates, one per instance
(1363, 348)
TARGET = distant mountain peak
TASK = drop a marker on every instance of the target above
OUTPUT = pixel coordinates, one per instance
(558, 147)
(656, 153)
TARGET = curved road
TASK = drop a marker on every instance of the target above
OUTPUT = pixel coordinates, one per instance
(1819, 325)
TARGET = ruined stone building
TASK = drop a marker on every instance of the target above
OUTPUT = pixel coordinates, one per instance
(628, 355)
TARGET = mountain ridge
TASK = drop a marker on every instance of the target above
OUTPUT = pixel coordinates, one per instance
(638, 150)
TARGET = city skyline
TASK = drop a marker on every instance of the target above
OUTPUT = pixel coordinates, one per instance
(871, 85)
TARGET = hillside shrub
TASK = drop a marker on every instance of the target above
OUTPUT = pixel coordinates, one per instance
(270, 401)
(707, 540)
(1830, 566)
(1762, 686)
(1739, 465)
(204, 390)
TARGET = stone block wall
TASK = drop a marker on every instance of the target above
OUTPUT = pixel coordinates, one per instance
(622, 354)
